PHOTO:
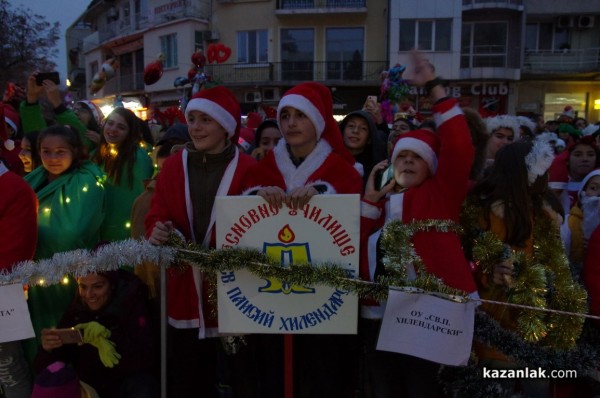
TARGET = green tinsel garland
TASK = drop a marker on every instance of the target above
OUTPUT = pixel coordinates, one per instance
(542, 280)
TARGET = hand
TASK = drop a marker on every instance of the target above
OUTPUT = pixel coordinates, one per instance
(423, 70)
(298, 197)
(258, 153)
(93, 136)
(52, 93)
(50, 340)
(503, 273)
(160, 233)
(374, 108)
(372, 194)
(33, 90)
(275, 196)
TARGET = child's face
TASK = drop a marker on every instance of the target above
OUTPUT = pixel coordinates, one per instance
(410, 170)
(56, 154)
(593, 186)
(298, 131)
(500, 137)
(207, 134)
(25, 155)
(356, 134)
(582, 160)
(116, 129)
(269, 138)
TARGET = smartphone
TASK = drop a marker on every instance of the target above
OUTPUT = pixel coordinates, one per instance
(383, 177)
(372, 98)
(52, 76)
(69, 335)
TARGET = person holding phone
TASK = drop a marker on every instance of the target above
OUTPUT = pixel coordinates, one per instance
(431, 174)
(117, 301)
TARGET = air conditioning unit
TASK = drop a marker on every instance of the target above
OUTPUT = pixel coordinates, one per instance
(565, 21)
(252, 96)
(585, 21)
(270, 94)
(210, 35)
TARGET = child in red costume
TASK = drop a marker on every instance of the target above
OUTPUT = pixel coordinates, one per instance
(210, 165)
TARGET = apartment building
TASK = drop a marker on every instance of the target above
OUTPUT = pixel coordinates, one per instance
(510, 56)
(266, 47)
(504, 56)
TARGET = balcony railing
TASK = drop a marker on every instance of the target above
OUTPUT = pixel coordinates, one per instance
(124, 84)
(562, 61)
(493, 3)
(350, 72)
(311, 4)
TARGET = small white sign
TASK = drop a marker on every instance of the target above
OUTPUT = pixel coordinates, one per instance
(428, 327)
(326, 229)
(15, 323)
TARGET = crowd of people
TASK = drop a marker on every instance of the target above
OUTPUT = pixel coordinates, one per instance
(76, 179)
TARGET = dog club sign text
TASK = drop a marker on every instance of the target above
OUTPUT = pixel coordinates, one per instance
(325, 230)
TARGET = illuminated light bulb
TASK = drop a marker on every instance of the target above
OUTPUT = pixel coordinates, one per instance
(46, 210)
(128, 225)
(68, 200)
(113, 152)
(41, 282)
(84, 189)
(65, 280)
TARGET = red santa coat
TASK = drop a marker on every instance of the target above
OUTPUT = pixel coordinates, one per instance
(439, 197)
(187, 290)
(321, 167)
(18, 219)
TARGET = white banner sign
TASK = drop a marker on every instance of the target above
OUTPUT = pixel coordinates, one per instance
(427, 327)
(327, 229)
(15, 323)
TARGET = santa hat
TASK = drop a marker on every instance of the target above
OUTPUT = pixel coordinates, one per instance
(4, 140)
(506, 121)
(220, 104)
(254, 120)
(315, 101)
(57, 380)
(586, 179)
(568, 112)
(558, 173)
(590, 129)
(585, 140)
(93, 108)
(526, 122)
(424, 143)
(540, 157)
(246, 139)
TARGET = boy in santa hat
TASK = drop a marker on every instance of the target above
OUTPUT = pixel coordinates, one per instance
(309, 160)
(210, 165)
(431, 175)
(11, 147)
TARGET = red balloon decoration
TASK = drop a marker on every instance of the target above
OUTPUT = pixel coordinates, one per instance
(198, 59)
(218, 53)
(153, 71)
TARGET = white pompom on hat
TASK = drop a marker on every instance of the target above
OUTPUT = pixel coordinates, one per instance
(424, 143)
(506, 121)
(220, 104)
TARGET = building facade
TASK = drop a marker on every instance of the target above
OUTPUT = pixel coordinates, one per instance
(510, 56)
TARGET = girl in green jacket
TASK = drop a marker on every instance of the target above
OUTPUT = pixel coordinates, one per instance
(71, 211)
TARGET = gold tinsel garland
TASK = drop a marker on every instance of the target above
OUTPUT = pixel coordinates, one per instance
(542, 280)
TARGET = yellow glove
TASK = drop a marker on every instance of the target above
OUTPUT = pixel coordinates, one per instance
(97, 335)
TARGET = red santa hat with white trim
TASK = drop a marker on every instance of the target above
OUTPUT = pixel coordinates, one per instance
(220, 104)
(93, 108)
(315, 101)
(423, 142)
(5, 114)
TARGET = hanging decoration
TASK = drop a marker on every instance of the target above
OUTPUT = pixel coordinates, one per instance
(107, 71)
(154, 70)
(218, 53)
(394, 90)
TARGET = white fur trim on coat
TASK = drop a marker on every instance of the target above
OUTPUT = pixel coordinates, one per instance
(293, 176)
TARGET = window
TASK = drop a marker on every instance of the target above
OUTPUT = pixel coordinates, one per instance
(546, 36)
(345, 51)
(252, 46)
(297, 54)
(168, 46)
(429, 35)
(484, 45)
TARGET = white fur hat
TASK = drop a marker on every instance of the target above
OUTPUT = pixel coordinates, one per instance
(506, 121)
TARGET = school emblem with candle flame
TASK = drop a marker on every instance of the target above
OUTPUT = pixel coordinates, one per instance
(286, 252)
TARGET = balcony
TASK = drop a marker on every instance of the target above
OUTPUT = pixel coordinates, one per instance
(289, 73)
(566, 61)
(303, 7)
(490, 62)
(124, 84)
(489, 4)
